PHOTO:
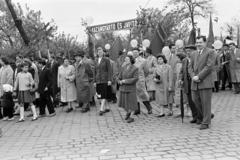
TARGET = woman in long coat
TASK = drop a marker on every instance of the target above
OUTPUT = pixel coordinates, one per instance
(163, 82)
(150, 61)
(84, 78)
(6, 76)
(66, 77)
(127, 80)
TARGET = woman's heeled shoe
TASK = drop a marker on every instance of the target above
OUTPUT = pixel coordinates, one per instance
(127, 116)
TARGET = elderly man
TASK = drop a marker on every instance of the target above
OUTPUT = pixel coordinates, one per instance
(200, 70)
(235, 67)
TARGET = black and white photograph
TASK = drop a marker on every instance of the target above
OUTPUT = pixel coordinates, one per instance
(119, 79)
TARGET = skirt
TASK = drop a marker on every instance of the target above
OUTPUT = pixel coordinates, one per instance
(26, 96)
(102, 90)
(128, 101)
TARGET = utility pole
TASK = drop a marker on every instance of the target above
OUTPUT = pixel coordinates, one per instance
(18, 22)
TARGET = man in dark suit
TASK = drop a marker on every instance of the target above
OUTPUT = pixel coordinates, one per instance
(186, 81)
(53, 65)
(44, 90)
(200, 69)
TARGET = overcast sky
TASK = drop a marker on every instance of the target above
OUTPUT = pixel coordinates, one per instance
(67, 14)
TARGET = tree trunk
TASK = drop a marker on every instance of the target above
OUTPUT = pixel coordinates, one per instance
(18, 22)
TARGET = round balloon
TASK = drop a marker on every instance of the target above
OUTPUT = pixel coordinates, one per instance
(134, 43)
(107, 46)
(146, 43)
(179, 43)
(217, 44)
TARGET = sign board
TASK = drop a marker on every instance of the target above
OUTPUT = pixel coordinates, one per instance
(121, 25)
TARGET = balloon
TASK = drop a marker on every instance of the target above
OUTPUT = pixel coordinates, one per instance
(217, 44)
(134, 43)
(166, 52)
(107, 46)
(146, 43)
(179, 43)
(130, 53)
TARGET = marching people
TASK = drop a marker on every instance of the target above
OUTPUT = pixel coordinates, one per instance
(65, 79)
(6, 77)
(163, 83)
(235, 67)
(84, 78)
(127, 80)
(25, 88)
(44, 90)
(142, 93)
(200, 69)
(148, 71)
(103, 79)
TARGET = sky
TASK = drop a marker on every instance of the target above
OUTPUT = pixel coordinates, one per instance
(67, 14)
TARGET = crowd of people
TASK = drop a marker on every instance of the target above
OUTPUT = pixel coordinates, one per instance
(135, 77)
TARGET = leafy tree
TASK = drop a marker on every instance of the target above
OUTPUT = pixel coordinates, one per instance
(192, 8)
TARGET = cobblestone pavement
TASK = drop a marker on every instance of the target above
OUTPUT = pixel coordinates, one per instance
(78, 136)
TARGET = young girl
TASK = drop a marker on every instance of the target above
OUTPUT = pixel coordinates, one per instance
(24, 85)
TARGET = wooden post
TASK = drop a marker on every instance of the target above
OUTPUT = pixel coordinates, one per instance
(18, 22)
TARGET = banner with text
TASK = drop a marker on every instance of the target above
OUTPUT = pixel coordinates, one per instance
(121, 25)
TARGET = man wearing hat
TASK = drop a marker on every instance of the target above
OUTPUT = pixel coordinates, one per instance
(235, 67)
(84, 77)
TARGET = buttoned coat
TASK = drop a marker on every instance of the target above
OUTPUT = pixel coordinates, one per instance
(103, 71)
(84, 77)
(201, 65)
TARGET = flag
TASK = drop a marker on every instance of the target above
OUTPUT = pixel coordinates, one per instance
(116, 47)
(157, 43)
(192, 37)
(90, 46)
(210, 39)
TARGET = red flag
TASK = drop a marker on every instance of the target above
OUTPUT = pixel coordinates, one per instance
(158, 40)
(192, 37)
(210, 40)
(116, 47)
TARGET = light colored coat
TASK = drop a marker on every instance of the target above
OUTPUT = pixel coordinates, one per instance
(235, 65)
(149, 69)
(6, 77)
(66, 77)
(142, 93)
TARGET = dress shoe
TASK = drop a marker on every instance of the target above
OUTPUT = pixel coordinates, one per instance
(101, 113)
(20, 120)
(35, 118)
(85, 110)
(52, 114)
(212, 116)
(204, 126)
(193, 121)
(107, 110)
(136, 112)
(198, 122)
(127, 116)
(161, 115)
(130, 120)
(69, 110)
